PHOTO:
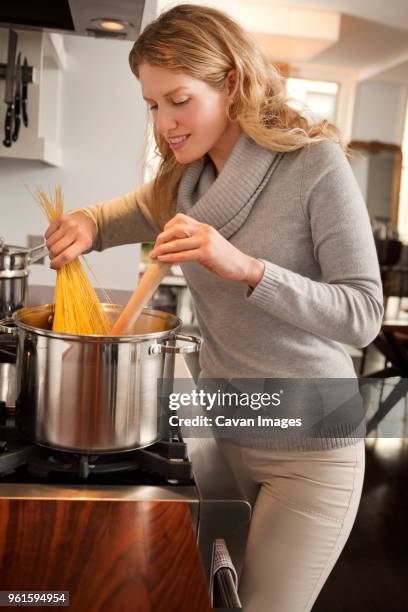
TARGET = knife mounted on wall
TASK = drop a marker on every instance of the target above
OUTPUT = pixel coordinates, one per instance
(17, 100)
(26, 77)
(9, 91)
(17, 77)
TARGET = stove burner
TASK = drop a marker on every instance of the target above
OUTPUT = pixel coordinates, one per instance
(173, 466)
(167, 459)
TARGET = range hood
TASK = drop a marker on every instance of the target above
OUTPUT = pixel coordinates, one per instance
(81, 17)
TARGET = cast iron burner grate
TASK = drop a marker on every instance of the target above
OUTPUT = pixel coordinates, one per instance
(42, 463)
(167, 459)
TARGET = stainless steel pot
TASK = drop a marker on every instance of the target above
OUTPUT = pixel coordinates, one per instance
(94, 394)
(14, 264)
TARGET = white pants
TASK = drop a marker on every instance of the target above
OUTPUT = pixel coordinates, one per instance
(304, 506)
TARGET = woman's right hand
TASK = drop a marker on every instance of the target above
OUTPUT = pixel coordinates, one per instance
(68, 237)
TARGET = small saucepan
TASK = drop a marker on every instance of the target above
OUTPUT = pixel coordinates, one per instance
(14, 271)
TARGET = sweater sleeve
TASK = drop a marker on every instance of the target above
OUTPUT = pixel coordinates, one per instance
(347, 304)
(123, 220)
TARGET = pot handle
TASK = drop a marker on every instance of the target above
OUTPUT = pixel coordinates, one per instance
(37, 253)
(193, 347)
(5, 329)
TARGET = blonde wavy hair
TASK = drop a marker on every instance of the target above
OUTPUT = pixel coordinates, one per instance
(206, 44)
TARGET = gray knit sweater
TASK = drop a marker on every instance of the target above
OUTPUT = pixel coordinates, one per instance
(303, 215)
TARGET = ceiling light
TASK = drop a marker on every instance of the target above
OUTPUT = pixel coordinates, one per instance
(111, 25)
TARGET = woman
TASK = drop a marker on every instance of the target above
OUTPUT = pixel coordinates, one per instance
(262, 211)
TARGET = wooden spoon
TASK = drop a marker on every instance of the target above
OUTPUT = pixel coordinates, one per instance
(151, 279)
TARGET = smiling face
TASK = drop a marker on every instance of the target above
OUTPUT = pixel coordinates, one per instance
(189, 113)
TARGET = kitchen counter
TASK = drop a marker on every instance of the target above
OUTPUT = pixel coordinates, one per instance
(109, 555)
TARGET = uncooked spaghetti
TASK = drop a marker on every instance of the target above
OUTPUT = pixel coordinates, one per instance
(77, 309)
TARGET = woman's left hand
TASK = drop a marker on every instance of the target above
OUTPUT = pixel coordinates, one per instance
(185, 239)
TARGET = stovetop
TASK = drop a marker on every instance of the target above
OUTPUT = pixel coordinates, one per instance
(164, 463)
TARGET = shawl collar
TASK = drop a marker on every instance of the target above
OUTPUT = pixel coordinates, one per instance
(225, 201)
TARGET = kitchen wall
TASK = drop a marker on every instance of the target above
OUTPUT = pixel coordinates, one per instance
(102, 127)
(379, 112)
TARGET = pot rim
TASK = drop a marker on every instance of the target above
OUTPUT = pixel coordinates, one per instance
(15, 273)
(15, 250)
(95, 337)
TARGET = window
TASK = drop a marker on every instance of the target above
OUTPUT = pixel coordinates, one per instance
(329, 91)
(403, 202)
(319, 97)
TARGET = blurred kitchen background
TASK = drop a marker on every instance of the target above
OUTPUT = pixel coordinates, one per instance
(347, 61)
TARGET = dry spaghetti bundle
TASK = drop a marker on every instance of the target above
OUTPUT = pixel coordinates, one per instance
(77, 308)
